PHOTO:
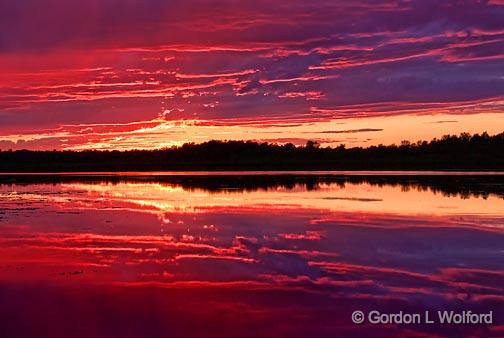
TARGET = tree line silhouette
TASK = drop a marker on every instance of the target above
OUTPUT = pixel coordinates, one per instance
(451, 152)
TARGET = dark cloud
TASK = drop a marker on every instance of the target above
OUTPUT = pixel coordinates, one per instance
(351, 131)
(444, 121)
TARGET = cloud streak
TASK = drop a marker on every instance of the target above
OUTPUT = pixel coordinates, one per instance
(242, 63)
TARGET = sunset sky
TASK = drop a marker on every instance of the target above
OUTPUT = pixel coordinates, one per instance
(122, 74)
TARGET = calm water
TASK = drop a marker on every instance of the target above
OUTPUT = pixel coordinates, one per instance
(155, 255)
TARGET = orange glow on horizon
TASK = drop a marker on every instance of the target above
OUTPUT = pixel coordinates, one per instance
(355, 132)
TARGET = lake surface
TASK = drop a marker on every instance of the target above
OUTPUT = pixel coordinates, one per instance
(248, 254)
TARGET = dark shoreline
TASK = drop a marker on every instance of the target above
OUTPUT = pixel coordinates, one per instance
(450, 153)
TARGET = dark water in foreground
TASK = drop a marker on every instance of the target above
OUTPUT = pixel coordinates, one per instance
(248, 256)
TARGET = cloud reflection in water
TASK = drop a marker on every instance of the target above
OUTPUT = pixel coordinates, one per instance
(271, 254)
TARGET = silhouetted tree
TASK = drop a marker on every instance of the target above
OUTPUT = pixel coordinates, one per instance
(450, 152)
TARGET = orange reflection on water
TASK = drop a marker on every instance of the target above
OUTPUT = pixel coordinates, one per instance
(361, 197)
(308, 252)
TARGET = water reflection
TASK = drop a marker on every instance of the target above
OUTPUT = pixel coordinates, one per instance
(290, 256)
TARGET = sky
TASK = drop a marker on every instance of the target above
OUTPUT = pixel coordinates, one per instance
(124, 74)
